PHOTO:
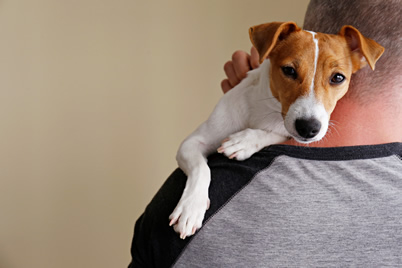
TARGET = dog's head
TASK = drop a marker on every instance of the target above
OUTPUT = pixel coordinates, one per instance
(311, 71)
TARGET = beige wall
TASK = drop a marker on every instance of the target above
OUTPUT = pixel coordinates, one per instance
(95, 97)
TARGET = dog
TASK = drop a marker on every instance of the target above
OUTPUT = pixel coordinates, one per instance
(291, 95)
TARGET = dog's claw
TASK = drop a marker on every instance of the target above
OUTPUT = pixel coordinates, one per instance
(182, 236)
(232, 156)
(172, 221)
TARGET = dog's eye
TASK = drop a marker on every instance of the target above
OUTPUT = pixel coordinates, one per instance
(289, 71)
(337, 78)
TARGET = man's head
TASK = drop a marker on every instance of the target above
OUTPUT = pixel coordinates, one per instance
(375, 19)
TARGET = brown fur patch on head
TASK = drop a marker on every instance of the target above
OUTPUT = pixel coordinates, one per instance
(296, 51)
(334, 58)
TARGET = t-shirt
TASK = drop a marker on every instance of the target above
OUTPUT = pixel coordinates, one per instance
(286, 206)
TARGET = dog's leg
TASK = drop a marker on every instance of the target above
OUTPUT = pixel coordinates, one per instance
(192, 155)
(189, 213)
(245, 143)
(229, 116)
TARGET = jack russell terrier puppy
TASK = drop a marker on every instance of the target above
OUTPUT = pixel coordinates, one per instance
(291, 95)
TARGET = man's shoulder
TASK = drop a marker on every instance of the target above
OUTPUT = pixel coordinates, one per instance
(156, 242)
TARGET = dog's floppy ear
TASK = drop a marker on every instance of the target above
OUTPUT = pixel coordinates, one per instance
(264, 36)
(364, 50)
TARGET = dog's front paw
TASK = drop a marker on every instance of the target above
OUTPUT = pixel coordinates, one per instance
(243, 144)
(189, 213)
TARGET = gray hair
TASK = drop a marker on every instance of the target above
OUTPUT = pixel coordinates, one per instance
(379, 20)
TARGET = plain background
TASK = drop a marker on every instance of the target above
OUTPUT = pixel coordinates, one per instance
(95, 98)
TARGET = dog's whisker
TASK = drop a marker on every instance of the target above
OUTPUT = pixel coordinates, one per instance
(332, 126)
(264, 99)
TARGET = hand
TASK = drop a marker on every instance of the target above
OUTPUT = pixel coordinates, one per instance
(236, 69)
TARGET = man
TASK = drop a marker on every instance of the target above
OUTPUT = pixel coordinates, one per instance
(337, 202)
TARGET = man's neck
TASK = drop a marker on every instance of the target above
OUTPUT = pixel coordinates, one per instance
(352, 124)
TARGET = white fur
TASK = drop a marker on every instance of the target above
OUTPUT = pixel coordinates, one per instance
(316, 52)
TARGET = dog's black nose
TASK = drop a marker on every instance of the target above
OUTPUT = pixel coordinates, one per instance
(308, 128)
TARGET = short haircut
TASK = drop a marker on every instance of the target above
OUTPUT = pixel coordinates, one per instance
(379, 20)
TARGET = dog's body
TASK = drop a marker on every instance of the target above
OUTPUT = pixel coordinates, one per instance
(290, 95)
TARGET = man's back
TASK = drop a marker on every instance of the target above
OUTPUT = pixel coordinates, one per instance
(286, 206)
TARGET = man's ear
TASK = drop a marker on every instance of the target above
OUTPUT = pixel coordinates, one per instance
(364, 50)
(265, 36)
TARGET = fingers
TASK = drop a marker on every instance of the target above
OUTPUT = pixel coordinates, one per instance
(241, 64)
(230, 72)
(225, 85)
(236, 69)
(254, 58)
